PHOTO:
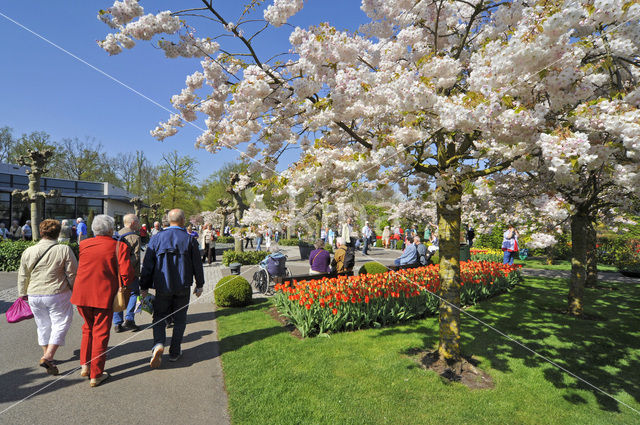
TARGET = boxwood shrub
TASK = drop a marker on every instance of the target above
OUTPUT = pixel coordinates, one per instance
(232, 291)
(225, 239)
(289, 242)
(244, 258)
(372, 268)
(11, 252)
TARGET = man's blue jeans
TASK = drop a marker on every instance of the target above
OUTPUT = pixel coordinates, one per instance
(396, 261)
(509, 256)
(135, 291)
(366, 246)
(174, 304)
(258, 243)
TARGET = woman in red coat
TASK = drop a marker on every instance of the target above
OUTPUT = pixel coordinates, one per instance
(95, 288)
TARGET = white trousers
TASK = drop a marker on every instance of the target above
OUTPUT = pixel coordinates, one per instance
(53, 315)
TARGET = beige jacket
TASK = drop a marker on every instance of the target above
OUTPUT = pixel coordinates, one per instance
(54, 273)
(133, 242)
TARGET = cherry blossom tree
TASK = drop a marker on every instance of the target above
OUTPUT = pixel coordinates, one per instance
(449, 91)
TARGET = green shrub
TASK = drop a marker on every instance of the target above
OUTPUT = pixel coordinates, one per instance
(232, 291)
(490, 240)
(435, 259)
(378, 243)
(244, 258)
(289, 242)
(225, 239)
(10, 254)
(372, 268)
(329, 248)
(621, 252)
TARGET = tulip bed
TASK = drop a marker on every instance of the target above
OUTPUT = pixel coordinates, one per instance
(374, 300)
(486, 254)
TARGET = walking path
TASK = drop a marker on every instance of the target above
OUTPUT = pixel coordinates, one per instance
(189, 391)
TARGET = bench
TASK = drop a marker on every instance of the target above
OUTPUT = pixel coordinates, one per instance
(289, 279)
(406, 266)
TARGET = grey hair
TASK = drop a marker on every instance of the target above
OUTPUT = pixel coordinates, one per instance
(274, 247)
(102, 225)
(319, 243)
(340, 240)
(176, 216)
(129, 219)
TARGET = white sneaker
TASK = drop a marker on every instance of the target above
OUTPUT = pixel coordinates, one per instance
(99, 380)
(156, 356)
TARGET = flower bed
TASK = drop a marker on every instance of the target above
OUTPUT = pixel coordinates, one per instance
(486, 254)
(373, 300)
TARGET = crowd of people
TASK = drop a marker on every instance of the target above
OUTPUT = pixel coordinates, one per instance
(53, 280)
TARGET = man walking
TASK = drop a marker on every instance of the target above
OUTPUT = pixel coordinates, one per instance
(366, 234)
(81, 229)
(347, 230)
(130, 237)
(171, 262)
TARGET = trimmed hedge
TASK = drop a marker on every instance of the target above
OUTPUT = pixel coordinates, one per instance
(225, 239)
(372, 268)
(290, 242)
(232, 291)
(11, 252)
(245, 258)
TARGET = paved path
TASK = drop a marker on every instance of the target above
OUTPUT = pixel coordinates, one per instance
(565, 274)
(190, 391)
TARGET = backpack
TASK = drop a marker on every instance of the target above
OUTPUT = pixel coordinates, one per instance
(349, 259)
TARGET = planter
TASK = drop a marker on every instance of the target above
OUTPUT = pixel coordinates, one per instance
(465, 252)
(305, 250)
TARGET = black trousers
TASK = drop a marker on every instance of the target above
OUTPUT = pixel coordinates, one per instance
(209, 253)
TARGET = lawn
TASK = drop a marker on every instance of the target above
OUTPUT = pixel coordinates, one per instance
(558, 265)
(367, 377)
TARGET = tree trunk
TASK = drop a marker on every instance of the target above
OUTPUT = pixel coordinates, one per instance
(36, 217)
(449, 247)
(238, 244)
(579, 227)
(592, 256)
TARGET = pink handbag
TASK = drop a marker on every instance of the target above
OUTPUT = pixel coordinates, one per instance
(19, 311)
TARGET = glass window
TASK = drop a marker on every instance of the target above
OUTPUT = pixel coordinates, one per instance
(69, 185)
(60, 208)
(20, 211)
(89, 187)
(5, 209)
(20, 182)
(87, 204)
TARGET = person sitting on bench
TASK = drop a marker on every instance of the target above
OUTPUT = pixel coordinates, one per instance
(409, 255)
(319, 259)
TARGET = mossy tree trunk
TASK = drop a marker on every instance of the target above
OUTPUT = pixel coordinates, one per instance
(592, 256)
(579, 229)
(449, 247)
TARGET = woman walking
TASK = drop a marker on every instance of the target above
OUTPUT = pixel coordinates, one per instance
(46, 276)
(208, 245)
(104, 265)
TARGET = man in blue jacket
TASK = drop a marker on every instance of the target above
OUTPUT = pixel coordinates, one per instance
(409, 255)
(171, 262)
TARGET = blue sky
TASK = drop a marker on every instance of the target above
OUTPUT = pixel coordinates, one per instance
(45, 89)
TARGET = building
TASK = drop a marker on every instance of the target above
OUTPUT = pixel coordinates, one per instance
(77, 198)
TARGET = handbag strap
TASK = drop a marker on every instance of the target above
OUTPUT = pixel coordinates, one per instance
(40, 258)
(314, 258)
(118, 263)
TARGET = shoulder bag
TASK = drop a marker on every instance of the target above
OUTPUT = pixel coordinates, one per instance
(121, 300)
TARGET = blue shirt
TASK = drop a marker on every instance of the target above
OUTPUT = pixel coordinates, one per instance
(171, 262)
(81, 229)
(409, 256)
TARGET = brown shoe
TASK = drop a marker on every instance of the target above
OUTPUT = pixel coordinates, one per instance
(48, 364)
(156, 356)
(99, 380)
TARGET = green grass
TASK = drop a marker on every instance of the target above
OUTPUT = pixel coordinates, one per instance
(365, 377)
(558, 265)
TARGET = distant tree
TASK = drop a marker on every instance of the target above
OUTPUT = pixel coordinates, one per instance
(36, 141)
(7, 143)
(177, 179)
